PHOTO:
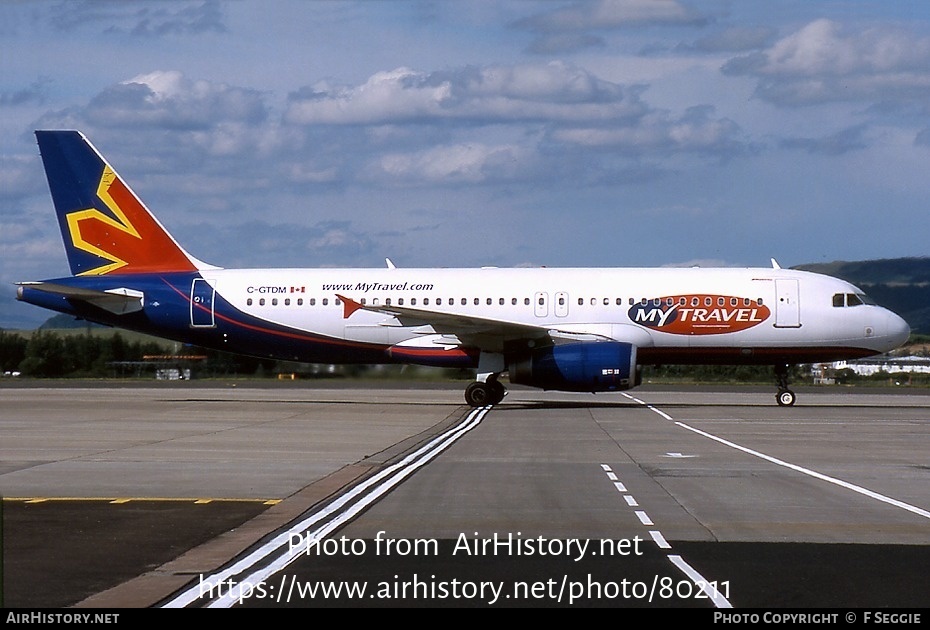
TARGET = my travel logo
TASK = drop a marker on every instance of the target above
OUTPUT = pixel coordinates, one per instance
(699, 314)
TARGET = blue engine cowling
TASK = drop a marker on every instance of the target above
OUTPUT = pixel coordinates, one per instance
(578, 367)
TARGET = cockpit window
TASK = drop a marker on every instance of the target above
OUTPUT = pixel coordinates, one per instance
(851, 299)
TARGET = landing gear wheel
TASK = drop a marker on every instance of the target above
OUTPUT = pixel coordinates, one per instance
(478, 394)
(785, 398)
(498, 391)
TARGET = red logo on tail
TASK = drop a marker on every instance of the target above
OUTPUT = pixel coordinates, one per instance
(133, 241)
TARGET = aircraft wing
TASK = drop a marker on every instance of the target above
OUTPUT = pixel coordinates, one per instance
(118, 301)
(486, 333)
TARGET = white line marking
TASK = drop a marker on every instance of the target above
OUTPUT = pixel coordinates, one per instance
(812, 473)
(620, 487)
(660, 540)
(612, 476)
(605, 467)
(644, 518)
(353, 503)
(630, 501)
(719, 600)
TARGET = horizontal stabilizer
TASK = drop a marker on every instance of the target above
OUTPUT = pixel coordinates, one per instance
(117, 301)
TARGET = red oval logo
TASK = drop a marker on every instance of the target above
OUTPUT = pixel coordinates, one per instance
(699, 314)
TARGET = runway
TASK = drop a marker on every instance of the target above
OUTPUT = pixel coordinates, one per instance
(120, 497)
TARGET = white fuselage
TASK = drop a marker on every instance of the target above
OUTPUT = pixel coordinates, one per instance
(665, 312)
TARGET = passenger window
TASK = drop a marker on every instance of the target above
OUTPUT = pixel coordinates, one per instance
(400, 301)
(425, 301)
(337, 302)
(261, 302)
(721, 301)
(464, 301)
(606, 301)
(387, 302)
(501, 301)
(619, 301)
(274, 301)
(313, 301)
(300, 301)
(526, 301)
(287, 301)
(248, 302)
(325, 301)
(580, 301)
(490, 301)
(513, 301)
(477, 301)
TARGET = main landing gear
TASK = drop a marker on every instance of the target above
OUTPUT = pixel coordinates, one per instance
(785, 396)
(490, 392)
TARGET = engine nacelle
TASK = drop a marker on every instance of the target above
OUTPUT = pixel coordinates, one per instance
(578, 367)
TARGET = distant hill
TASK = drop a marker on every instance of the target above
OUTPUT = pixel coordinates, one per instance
(901, 284)
(66, 322)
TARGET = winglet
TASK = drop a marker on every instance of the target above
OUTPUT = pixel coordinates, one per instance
(775, 264)
(389, 263)
(349, 306)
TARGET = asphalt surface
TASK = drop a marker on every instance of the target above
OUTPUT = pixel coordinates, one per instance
(118, 497)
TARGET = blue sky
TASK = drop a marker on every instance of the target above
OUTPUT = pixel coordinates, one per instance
(457, 134)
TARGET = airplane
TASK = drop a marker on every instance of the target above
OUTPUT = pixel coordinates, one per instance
(568, 329)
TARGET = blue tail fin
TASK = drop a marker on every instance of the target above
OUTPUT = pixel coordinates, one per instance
(106, 229)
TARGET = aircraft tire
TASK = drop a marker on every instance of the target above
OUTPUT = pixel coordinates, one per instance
(786, 398)
(478, 394)
(498, 391)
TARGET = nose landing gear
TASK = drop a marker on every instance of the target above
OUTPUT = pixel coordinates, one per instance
(785, 397)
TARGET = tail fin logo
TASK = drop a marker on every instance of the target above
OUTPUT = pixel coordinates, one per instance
(131, 239)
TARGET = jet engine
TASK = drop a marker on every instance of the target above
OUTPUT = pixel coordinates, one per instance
(578, 367)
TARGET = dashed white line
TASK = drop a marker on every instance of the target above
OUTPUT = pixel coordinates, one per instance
(644, 518)
(659, 539)
(619, 486)
(630, 501)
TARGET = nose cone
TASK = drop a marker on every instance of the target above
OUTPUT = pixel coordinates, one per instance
(897, 330)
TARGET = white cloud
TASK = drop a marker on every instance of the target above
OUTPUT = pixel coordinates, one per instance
(551, 92)
(472, 163)
(824, 62)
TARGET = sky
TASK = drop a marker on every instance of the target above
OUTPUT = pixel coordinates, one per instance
(483, 133)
